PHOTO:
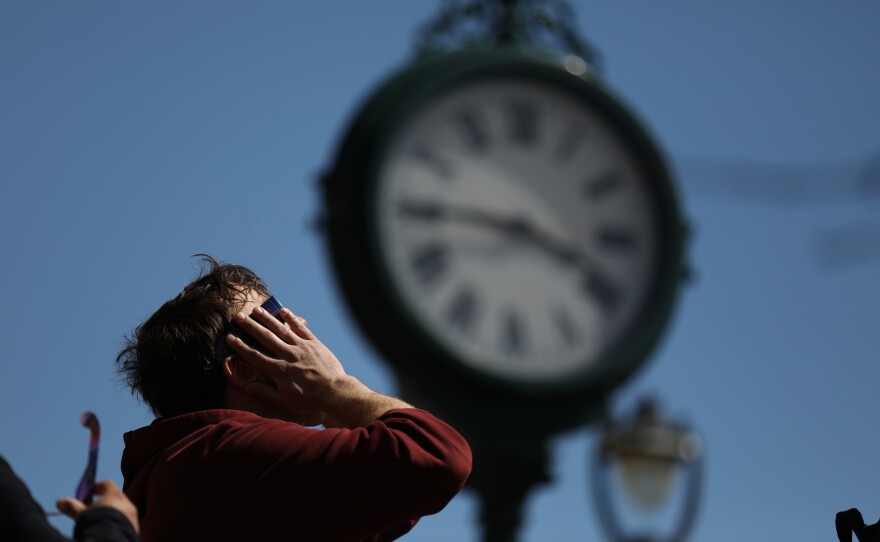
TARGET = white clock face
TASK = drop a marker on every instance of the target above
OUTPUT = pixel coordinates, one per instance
(517, 227)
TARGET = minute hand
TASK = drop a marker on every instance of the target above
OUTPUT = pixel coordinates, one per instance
(594, 281)
(515, 226)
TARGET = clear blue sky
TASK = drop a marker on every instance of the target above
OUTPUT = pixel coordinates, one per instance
(133, 135)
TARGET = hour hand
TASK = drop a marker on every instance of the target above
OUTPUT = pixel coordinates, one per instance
(517, 227)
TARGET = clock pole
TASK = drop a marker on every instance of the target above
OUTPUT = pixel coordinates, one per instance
(510, 440)
(503, 477)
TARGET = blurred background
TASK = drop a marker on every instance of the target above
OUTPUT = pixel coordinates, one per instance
(134, 135)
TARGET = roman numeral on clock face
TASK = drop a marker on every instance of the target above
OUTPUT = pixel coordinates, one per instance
(602, 186)
(616, 239)
(430, 262)
(513, 334)
(472, 128)
(566, 328)
(522, 121)
(433, 161)
(462, 311)
(571, 139)
(602, 290)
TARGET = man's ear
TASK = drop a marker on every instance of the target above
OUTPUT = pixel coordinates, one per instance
(239, 373)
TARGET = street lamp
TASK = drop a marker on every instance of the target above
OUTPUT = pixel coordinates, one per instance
(647, 457)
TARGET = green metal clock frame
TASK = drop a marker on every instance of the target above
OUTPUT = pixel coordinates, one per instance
(425, 367)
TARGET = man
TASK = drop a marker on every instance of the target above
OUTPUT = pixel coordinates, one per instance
(230, 456)
(113, 518)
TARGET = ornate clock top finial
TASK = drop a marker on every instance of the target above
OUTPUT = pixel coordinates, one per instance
(468, 23)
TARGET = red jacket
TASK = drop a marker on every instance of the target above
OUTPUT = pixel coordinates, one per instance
(219, 475)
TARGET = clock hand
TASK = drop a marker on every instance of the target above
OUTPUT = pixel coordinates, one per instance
(594, 280)
(423, 210)
(563, 252)
(514, 226)
(433, 211)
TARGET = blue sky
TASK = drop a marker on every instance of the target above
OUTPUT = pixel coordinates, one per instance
(134, 135)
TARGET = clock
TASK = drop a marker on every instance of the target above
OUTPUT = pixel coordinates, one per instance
(504, 224)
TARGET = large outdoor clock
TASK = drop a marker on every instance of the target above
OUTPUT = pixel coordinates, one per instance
(505, 225)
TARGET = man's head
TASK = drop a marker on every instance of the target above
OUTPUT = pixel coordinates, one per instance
(171, 359)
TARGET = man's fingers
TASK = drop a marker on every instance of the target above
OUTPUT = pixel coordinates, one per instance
(268, 338)
(279, 327)
(256, 359)
(290, 328)
(70, 507)
(297, 324)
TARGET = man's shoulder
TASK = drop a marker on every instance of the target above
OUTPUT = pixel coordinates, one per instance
(183, 424)
(204, 425)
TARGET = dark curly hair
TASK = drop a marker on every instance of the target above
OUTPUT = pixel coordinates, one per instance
(170, 359)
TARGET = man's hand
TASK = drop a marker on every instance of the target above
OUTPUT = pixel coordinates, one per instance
(303, 375)
(111, 497)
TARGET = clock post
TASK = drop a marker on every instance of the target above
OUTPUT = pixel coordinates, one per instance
(506, 235)
(503, 477)
(510, 439)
